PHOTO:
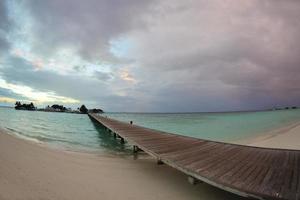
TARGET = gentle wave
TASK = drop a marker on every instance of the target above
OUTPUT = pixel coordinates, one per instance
(21, 135)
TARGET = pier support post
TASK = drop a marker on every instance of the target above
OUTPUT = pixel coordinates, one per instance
(135, 149)
(159, 162)
(192, 180)
(135, 156)
(122, 140)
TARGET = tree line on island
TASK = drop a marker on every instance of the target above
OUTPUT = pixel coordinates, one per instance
(56, 108)
(24, 106)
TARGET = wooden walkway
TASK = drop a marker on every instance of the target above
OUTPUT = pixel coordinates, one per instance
(260, 173)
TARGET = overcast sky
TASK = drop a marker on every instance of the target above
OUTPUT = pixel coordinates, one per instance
(151, 56)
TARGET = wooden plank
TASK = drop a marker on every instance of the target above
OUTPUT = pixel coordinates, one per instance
(178, 148)
(201, 152)
(247, 171)
(216, 158)
(257, 176)
(228, 177)
(225, 165)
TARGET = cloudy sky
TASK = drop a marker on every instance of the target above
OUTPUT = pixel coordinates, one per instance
(150, 55)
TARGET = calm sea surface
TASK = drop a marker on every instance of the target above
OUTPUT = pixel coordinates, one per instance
(77, 132)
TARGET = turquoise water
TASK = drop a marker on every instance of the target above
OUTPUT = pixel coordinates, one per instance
(214, 126)
(78, 132)
(60, 130)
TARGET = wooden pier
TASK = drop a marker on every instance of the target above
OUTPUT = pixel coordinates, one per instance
(254, 172)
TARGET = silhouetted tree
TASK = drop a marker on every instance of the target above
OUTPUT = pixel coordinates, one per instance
(24, 106)
(96, 110)
(59, 107)
(18, 103)
(83, 109)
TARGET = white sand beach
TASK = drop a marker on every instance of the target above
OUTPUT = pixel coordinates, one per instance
(31, 171)
(287, 137)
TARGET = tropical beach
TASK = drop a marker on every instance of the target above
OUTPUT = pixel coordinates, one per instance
(37, 168)
(130, 99)
(34, 171)
(284, 138)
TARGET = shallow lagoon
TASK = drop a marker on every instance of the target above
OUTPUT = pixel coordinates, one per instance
(77, 132)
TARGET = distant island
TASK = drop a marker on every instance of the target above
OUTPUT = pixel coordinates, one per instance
(286, 108)
(19, 106)
(56, 108)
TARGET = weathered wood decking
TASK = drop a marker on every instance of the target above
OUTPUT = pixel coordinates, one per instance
(260, 173)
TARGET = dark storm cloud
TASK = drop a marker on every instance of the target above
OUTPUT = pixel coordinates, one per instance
(194, 55)
(21, 72)
(248, 50)
(4, 45)
(87, 26)
(4, 26)
(102, 76)
(79, 68)
(8, 93)
(3, 15)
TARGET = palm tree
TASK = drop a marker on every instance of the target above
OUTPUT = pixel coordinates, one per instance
(18, 103)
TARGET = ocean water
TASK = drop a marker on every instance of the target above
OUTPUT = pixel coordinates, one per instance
(77, 132)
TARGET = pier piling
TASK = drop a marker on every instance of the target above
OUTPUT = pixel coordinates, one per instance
(192, 180)
(122, 141)
(159, 162)
(135, 149)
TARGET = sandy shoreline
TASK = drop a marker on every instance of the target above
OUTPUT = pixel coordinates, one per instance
(31, 171)
(286, 137)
